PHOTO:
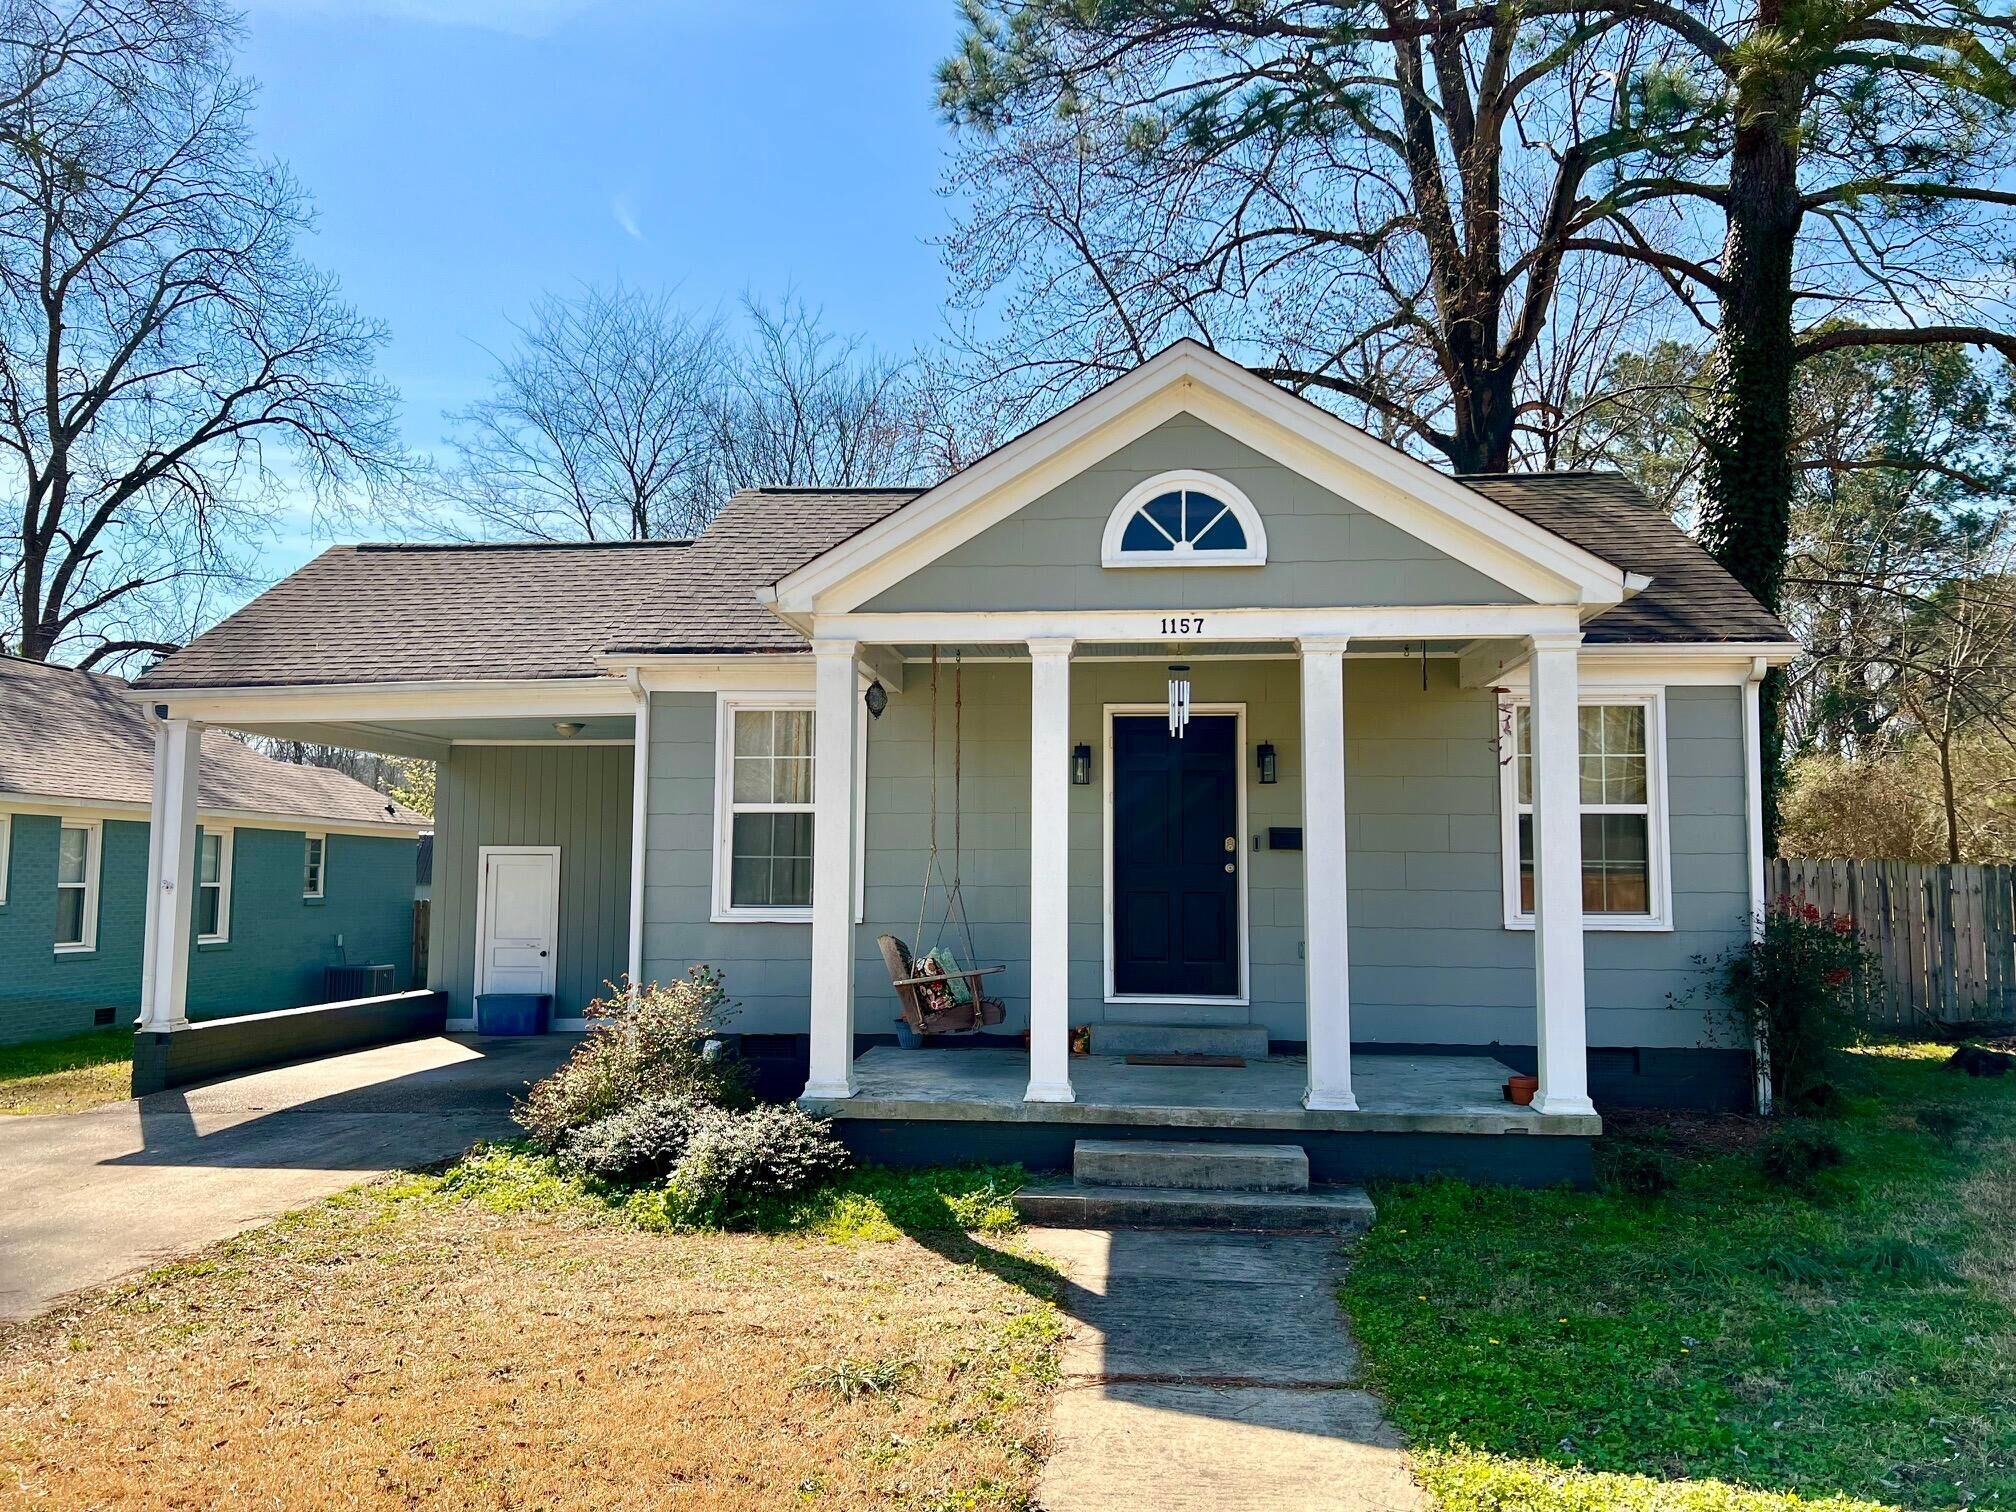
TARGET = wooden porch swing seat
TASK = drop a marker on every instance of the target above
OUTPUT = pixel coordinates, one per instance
(929, 1002)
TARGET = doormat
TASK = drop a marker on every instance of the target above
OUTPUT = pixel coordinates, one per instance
(1186, 1060)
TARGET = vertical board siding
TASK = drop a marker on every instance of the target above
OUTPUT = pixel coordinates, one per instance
(1431, 958)
(1941, 934)
(575, 798)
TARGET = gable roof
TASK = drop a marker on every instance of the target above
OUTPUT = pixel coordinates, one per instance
(1187, 377)
(76, 737)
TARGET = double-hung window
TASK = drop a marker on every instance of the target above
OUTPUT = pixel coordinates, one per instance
(6, 842)
(77, 886)
(1623, 814)
(314, 848)
(763, 867)
(213, 887)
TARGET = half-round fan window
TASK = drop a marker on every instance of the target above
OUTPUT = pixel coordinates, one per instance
(1185, 520)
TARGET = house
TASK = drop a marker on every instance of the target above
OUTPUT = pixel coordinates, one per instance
(1469, 777)
(296, 869)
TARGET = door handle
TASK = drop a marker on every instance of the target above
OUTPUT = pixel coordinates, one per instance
(1229, 867)
(542, 955)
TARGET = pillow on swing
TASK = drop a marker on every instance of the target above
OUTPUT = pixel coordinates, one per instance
(957, 985)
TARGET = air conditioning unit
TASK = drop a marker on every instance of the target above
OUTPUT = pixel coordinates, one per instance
(341, 983)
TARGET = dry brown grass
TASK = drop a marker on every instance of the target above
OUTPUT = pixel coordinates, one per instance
(394, 1350)
(68, 1091)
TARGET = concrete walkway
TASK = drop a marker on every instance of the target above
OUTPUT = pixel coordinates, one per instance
(1212, 1371)
(88, 1197)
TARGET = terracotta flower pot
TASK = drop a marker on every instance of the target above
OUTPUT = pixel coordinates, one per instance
(1519, 1090)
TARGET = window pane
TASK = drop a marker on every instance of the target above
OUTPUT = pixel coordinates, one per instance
(1616, 870)
(752, 779)
(208, 901)
(209, 858)
(1589, 729)
(749, 883)
(1623, 779)
(70, 916)
(1624, 729)
(771, 864)
(1526, 863)
(1140, 535)
(793, 728)
(1166, 510)
(792, 779)
(1592, 779)
(791, 881)
(73, 855)
(752, 732)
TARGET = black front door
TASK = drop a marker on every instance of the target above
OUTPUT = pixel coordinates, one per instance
(1176, 857)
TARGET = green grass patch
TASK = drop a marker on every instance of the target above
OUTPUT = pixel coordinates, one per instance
(66, 1075)
(1732, 1342)
(875, 1203)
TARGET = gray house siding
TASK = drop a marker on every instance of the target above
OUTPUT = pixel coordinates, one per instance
(279, 941)
(577, 798)
(1432, 961)
(1322, 549)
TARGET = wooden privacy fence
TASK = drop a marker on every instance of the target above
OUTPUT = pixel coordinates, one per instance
(1943, 933)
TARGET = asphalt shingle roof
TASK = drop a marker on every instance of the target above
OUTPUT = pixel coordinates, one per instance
(75, 735)
(421, 613)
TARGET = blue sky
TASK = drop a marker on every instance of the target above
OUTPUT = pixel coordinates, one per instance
(467, 154)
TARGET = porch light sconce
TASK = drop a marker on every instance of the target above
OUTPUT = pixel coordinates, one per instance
(1081, 765)
(567, 729)
(1270, 764)
(876, 699)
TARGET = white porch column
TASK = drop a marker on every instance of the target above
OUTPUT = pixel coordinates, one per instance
(1049, 871)
(1326, 956)
(171, 875)
(833, 842)
(1557, 878)
(640, 817)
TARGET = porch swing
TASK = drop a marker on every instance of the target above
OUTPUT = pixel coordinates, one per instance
(937, 994)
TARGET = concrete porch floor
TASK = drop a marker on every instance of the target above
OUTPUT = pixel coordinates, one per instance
(1397, 1094)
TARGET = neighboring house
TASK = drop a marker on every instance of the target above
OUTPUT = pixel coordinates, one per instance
(1471, 764)
(298, 868)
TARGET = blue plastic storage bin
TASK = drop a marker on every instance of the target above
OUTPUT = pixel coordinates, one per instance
(514, 1013)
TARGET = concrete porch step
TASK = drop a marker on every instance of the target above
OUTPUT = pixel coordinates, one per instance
(1193, 1164)
(1249, 1040)
(1066, 1204)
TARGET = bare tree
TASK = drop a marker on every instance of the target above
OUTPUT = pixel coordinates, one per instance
(169, 364)
(600, 425)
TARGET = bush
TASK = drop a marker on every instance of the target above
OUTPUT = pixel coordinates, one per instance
(1793, 1156)
(650, 1044)
(641, 1143)
(734, 1166)
(1794, 992)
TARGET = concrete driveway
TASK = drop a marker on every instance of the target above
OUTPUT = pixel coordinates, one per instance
(88, 1197)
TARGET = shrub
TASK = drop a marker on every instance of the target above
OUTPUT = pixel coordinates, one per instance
(734, 1166)
(1794, 991)
(641, 1143)
(642, 1045)
(1793, 1156)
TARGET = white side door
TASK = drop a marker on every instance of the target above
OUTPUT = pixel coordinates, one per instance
(518, 919)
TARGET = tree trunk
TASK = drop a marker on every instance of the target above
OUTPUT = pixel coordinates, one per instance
(1482, 434)
(1952, 803)
(1748, 476)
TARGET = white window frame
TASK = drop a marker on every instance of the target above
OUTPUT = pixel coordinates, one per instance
(94, 846)
(1183, 554)
(6, 853)
(1659, 849)
(725, 705)
(321, 887)
(225, 836)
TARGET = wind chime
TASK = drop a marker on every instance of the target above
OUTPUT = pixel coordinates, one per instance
(1179, 699)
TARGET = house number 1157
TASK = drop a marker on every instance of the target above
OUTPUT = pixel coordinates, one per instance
(1187, 624)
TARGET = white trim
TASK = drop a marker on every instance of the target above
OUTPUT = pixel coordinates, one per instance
(837, 716)
(1681, 664)
(1753, 844)
(1659, 856)
(6, 852)
(1357, 623)
(225, 834)
(1326, 892)
(321, 888)
(483, 854)
(726, 705)
(640, 826)
(362, 703)
(1243, 998)
(553, 741)
(665, 672)
(94, 852)
(1187, 378)
(1183, 553)
(104, 808)
(1049, 872)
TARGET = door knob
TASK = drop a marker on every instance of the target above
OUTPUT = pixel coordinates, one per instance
(542, 955)
(1229, 867)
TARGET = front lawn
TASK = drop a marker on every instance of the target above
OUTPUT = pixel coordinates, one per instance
(67, 1075)
(1734, 1343)
(503, 1336)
